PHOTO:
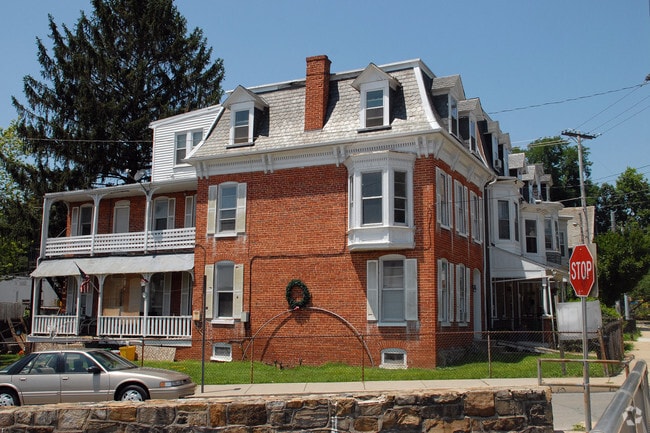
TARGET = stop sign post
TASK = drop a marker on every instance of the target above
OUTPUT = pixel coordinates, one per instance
(582, 270)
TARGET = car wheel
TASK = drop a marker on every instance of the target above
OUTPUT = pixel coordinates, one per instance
(8, 398)
(133, 393)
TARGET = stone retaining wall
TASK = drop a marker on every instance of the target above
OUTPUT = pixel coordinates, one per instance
(480, 410)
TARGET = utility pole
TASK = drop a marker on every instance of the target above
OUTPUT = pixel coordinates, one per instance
(586, 234)
(583, 300)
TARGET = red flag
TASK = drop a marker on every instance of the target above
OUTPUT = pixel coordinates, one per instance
(85, 281)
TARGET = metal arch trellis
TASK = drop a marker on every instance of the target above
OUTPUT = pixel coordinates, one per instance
(322, 310)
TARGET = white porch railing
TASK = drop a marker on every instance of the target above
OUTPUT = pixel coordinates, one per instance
(157, 326)
(55, 325)
(117, 326)
(156, 240)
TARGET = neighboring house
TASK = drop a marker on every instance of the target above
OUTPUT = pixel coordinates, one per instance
(134, 243)
(528, 251)
(362, 189)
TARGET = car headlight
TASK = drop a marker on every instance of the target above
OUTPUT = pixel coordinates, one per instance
(171, 383)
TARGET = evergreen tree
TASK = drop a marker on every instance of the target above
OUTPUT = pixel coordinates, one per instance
(129, 63)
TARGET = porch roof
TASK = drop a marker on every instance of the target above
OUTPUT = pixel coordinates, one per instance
(507, 265)
(115, 265)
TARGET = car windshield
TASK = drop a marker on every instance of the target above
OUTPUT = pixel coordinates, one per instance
(111, 361)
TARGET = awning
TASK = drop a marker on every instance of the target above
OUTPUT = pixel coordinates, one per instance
(507, 265)
(115, 265)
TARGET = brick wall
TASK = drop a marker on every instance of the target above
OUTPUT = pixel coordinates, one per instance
(296, 228)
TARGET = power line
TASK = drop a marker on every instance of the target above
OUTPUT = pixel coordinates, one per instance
(607, 92)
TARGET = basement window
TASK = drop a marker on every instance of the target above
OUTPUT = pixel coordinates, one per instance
(221, 352)
(393, 359)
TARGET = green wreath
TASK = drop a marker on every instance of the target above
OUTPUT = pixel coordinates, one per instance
(306, 297)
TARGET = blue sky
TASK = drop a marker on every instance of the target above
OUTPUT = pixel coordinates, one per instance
(509, 53)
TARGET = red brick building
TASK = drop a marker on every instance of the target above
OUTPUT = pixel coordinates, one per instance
(361, 190)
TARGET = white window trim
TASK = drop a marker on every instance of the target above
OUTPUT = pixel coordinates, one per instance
(214, 192)
(374, 290)
(460, 205)
(242, 106)
(394, 366)
(190, 211)
(369, 87)
(388, 234)
(462, 299)
(220, 358)
(476, 217)
(444, 196)
(171, 212)
(121, 204)
(189, 144)
(237, 294)
(445, 304)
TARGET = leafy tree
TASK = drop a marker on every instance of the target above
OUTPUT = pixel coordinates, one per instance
(623, 260)
(19, 209)
(560, 160)
(105, 80)
(628, 200)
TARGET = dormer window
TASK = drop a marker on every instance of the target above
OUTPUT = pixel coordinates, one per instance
(374, 86)
(375, 108)
(245, 110)
(240, 127)
(185, 142)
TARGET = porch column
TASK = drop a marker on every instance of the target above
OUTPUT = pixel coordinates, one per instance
(97, 198)
(45, 226)
(546, 297)
(100, 301)
(145, 283)
(147, 218)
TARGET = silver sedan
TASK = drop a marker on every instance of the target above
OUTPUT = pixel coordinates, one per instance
(86, 375)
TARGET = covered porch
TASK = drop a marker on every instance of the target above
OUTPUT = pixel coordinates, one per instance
(116, 297)
(522, 293)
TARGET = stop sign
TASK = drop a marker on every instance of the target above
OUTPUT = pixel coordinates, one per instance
(582, 270)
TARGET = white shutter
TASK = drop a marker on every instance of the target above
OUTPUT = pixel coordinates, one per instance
(439, 198)
(468, 292)
(209, 291)
(441, 301)
(411, 286)
(450, 208)
(167, 289)
(74, 225)
(372, 290)
(171, 214)
(213, 192)
(240, 218)
(238, 291)
(185, 294)
(451, 291)
(460, 274)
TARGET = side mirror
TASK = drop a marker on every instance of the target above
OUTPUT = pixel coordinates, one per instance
(94, 370)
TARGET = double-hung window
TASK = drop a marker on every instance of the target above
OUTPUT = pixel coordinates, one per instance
(443, 198)
(531, 236)
(392, 290)
(224, 291)
(461, 208)
(82, 220)
(380, 200)
(163, 213)
(185, 142)
(462, 294)
(445, 292)
(246, 111)
(504, 219)
(476, 217)
(374, 86)
(227, 209)
(241, 125)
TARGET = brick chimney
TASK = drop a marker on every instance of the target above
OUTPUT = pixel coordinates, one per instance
(316, 92)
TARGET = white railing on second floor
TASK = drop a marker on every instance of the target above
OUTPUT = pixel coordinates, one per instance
(116, 326)
(157, 240)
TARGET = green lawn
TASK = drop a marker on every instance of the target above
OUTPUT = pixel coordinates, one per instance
(240, 372)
